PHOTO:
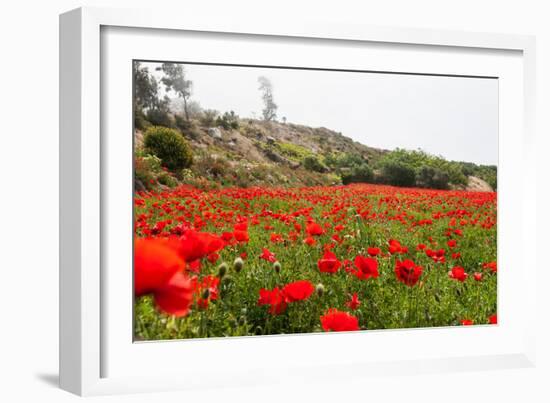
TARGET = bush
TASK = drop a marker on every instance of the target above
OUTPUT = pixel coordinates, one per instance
(181, 123)
(145, 168)
(160, 117)
(208, 117)
(167, 180)
(397, 174)
(312, 163)
(433, 178)
(358, 174)
(140, 120)
(229, 120)
(170, 146)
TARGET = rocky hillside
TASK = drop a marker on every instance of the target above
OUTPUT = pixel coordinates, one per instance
(258, 153)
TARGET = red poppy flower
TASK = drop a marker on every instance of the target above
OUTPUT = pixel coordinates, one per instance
(267, 255)
(467, 322)
(338, 321)
(407, 272)
(298, 290)
(195, 245)
(276, 238)
(241, 227)
(493, 319)
(458, 273)
(158, 271)
(241, 236)
(451, 243)
(374, 251)
(227, 236)
(206, 290)
(213, 257)
(328, 263)
(314, 229)
(367, 267)
(354, 302)
(176, 296)
(155, 263)
(275, 298)
(491, 266)
(478, 276)
(310, 241)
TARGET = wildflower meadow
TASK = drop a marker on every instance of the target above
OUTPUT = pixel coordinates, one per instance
(260, 260)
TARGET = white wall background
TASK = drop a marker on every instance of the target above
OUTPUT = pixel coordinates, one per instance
(29, 201)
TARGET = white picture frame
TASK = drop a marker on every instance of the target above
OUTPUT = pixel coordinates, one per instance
(96, 354)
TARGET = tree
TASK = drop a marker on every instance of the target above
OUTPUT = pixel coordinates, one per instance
(145, 88)
(174, 80)
(270, 107)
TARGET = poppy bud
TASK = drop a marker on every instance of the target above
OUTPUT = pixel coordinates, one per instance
(222, 269)
(238, 264)
(320, 289)
(277, 267)
(205, 293)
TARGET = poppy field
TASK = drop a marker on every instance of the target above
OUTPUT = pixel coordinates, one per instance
(259, 261)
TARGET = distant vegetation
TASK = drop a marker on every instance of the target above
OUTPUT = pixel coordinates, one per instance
(179, 142)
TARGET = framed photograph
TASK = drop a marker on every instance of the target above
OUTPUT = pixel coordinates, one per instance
(243, 203)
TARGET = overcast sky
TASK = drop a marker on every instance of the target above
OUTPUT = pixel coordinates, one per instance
(449, 116)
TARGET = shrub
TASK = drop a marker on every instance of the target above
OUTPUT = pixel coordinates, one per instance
(167, 180)
(160, 117)
(433, 178)
(397, 174)
(358, 174)
(170, 146)
(312, 163)
(293, 151)
(229, 120)
(208, 117)
(140, 120)
(182, 123)
(145, 168)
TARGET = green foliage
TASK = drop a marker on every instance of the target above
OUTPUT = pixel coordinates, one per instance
(229, 120)
(140, 120)
(145, 88)
(344, 160)
(208, 117)
(397, 173)
(358, 174)
(433, 178)
(181, 123)
(167, 180)
(146, 167)
(312, 163)
(293, 151)
(160, 117)
(170, 146)
(416, 161)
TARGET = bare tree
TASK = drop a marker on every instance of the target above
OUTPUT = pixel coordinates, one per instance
(270, 107)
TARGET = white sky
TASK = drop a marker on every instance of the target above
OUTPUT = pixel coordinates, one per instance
(449, 116)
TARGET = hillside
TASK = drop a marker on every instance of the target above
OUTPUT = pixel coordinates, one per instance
(248, 152)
